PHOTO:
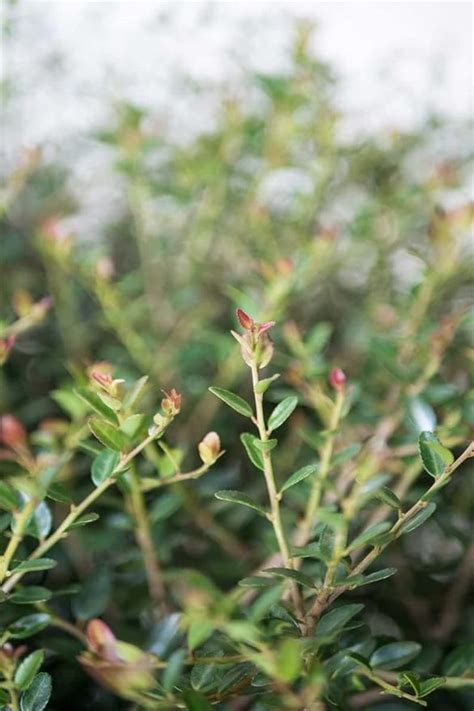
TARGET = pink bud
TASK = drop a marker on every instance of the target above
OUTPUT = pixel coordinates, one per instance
(265, 326)
(104, 379)
(244, 319)
(100, 637)
(12, 432)
(337, 378)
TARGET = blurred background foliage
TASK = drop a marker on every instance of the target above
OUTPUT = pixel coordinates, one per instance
(359, 248)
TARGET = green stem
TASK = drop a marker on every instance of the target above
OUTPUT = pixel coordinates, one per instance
(275, 515)
(76, 511)
(21, 523)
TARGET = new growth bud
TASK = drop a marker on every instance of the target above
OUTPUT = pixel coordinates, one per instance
(171, 403)
(337, 379)
(209, 448)
(12, 433)
(256, 345)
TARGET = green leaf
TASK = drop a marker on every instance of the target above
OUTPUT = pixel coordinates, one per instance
(8, 500)
(135, 393)
(434, 456)
(94, 402)
(394, 655)
(94, 595)
(289, 659)
(41, 521)
(133, 425)
(110, 436)
(282, 412)
(232, 400)
(359, 659)
(238, 497)
(30, 595)
(57, 492)
(198, 632)
(335, 620)
(173, 669)
(300, 578)
(254, 454)
(28, 625)
(368, 535)
(266, 446)
(387, 496)
(36, 697)
(263, 385)
(409, 678)
(257, 581)
(419, 518)
(28, 668)
(345, 454)
(460, 661)
(84, 520)
(30, 566)
(195, 701)
(358, 580)
(104, 465)
(429, 685)
(298, 476)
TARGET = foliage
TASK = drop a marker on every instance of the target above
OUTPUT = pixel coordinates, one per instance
(324, 557)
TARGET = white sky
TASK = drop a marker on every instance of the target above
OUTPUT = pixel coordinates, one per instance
(395, 59)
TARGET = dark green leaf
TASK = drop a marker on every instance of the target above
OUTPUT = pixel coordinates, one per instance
(104, 465)
(84, 520)
(107, 434)
(30, 595)
(8, 500)
(28, 625)
(195, 701)
(28, 668)
(266, 446)
(29, 566)
(93, 597)
(429, 685)
(358, 580)
(232, 400)
(298, 476)
(394, 655)
(387, 496)
(36, 697)
(257, 581)
(345, 454)
(335, 620)
(57, 492)
(460, 661)
(238, 497)
(419, 518)
(369, 534)
(293, 574)
(282, 412)
(434, 456)
(253, 452)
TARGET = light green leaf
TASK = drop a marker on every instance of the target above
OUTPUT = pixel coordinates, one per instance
(36, 697)
(132, 425)
(110, 436)
(388, 497)
(104, 465)
(282, 412)
(232, 400)
(195, 701)
(28, 668)
(8, 500)
(263, 385)
(345, 455)
(96, 404)
(84, 520)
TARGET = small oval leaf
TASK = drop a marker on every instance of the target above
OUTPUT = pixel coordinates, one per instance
(232, 400)
(282, 412)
